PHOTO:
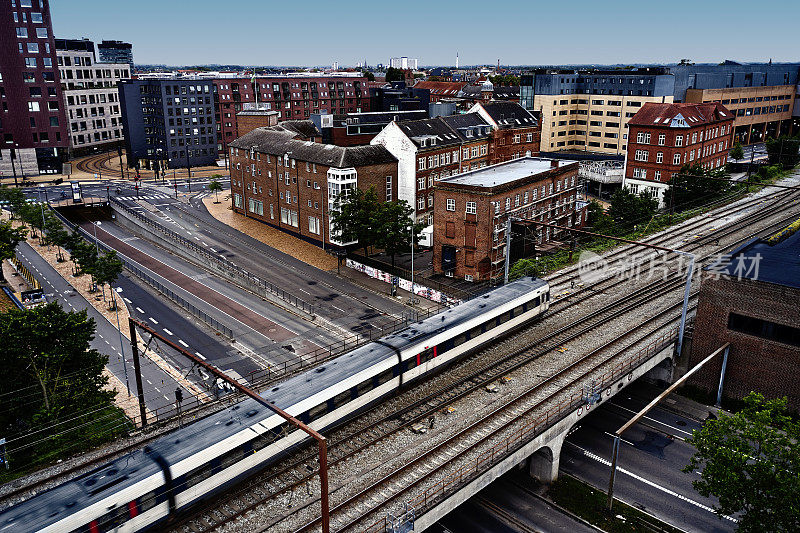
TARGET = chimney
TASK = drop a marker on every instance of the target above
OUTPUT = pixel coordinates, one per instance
(554, 163)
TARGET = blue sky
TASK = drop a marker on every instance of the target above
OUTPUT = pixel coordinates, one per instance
(314, 32)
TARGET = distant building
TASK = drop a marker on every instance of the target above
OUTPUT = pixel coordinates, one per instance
(399, 97)
(404, 63)
(441, 89)
(472, 210)
(250, 119)
(33, 123)
(91, 96)
(281, 179)
(168, 122)
(664, 137)
(353, 129)
(116, 52)
(749, 299)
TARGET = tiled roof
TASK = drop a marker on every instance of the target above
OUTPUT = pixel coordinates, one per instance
(445, 131)
(680, 115)
(275, 141)
(304, 128)
(509, 114)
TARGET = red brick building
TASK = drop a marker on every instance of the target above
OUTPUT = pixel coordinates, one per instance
(471, 211)
(294, 97)
(437, 148)
(664, 137)
(749, 299)
(282, 179)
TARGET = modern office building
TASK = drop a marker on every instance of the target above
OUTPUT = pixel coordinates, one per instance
(285, 181)
(404, 63)
(91, 96)
(116, 52)
(472, 211)
(588, 110)
(665, 137)
(397, 96)
(168, 122)
(353, 129)
(33, 124)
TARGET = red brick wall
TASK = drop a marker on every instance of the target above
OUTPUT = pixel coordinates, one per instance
(503, 148)
(754, 364)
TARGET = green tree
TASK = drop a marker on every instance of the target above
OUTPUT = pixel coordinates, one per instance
(751, 462)
(393, 226)
(394, 74)
(628, 209)
(737, 152)
(10, 237)
(215, 186)
(369, 75)
(598, 219)
(522, 268)
(50, 375)
(107, 269)
(15, 198)
(694, 185)
(355, 217)
(784, 151)
(56, 233)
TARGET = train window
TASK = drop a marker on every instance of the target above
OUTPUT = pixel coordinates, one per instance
(230, 458)
(409, 363)
(384, 377)
(427, 355)
(197, 475)
(147, 501)
(525, 307)
(342, 398)
(364, 387)
(536, 302)
(113, 519)
(318, 411)
(547, 296)
(262, 441)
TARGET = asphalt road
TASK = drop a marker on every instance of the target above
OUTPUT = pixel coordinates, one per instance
(650, 461)
(159, 389)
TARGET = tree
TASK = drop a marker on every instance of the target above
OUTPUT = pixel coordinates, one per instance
(215, 186)
(598, 219)
(784, 151)
(15, 198)
(394, 226)
(751, 462)
(10, 237)
(394, 74)
(56, 233)
(56, 376)
(737, 152)
(628, 209)
(354, 216)
(694, 185)
(522, 268)
(369, 75)
(107, 269)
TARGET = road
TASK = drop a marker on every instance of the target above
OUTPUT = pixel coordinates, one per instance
(651, 458)
(757, 151)
(160, 388)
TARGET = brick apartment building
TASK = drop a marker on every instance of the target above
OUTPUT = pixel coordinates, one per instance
(432, 149)
(749, 299)
(353, 129)
(280, 178)
(294, 97)
(664, 137)
(33, 124)
(471, 211)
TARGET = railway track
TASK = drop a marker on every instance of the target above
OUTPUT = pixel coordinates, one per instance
(782, 200)
(289, 479)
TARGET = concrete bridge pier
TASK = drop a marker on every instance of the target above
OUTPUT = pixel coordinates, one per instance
(544, 463)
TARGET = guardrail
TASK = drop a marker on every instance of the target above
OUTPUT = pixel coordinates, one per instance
(527, 431)
(221, 264)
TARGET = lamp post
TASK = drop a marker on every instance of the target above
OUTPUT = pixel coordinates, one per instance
(13, 166)
(121, 344)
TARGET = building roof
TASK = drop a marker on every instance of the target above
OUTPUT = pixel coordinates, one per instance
(379, 117)
(773, 260)
(505, 173)
(276, 141)
(429, 132)
(469, 126)
(441, 88)
(680, 115)
(509, 114)
(256, 113)
(304, 128)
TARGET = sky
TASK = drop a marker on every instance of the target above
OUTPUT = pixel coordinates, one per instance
(532, 32)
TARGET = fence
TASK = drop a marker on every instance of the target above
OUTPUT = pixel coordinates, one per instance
(219, 264)
(528, 430)
(23, 271)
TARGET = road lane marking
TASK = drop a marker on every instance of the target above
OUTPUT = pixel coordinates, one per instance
(140, 310)
(180, 341)
(130, 302)
(153, 320)
(168, 332)
(201, 356)
(654, 420)
(621, 470)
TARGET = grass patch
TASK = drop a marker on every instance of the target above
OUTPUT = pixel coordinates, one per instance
(590, 504)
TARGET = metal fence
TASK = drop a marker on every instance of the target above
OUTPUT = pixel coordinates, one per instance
(221, 264)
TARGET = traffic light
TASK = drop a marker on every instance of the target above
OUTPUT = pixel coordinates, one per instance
(178, 395)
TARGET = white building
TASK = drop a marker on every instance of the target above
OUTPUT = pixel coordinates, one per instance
(91, 95)
(404, 63)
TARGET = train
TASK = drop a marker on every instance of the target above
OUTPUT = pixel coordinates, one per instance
(147, 487)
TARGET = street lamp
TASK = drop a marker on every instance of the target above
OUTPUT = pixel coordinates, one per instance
(121, 344)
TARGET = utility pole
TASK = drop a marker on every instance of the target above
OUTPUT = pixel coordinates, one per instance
(138, 371)
(508, 249)
(13, 166)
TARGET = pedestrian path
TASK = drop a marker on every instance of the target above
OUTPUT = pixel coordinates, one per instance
(143, 197)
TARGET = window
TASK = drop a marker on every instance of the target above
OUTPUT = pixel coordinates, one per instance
(388, 188)
(676, 159)
(659, 157)
(33, 106)
(36, 18)
(421, 164)
(313, 225)
(450, 204)
(661, 139)
(420, 183)
(764, 329)
(471, 208)
(679, 140)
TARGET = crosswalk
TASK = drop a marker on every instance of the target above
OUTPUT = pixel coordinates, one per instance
(143, 197)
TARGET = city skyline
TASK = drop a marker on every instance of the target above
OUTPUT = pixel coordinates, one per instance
(169, 34)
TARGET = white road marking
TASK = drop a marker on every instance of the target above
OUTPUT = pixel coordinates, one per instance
(140, 310)
(201, 356)
(599, 459)
(149, 382)
(166, 397)
(654, 420)
(153, 320)
(127, 300)
(168, 332)
(182, 343)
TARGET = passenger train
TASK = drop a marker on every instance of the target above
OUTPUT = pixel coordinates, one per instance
(146, 487)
